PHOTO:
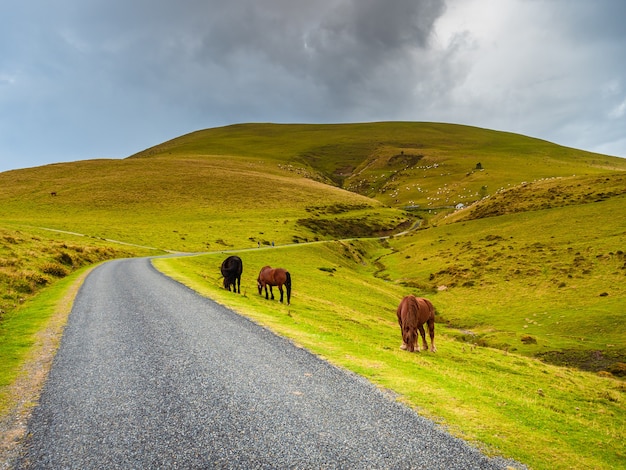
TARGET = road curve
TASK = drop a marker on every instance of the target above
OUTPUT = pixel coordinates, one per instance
(151, 375)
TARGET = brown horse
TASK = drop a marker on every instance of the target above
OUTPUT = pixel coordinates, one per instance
(274, 277)
(412, 313)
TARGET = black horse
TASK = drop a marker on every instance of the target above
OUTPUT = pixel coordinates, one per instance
(232, 267)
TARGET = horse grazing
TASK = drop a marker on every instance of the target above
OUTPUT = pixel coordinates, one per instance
(412, 313)
(274, 277)
(232, 267)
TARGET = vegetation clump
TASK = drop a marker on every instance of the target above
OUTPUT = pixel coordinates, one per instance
(33, 259)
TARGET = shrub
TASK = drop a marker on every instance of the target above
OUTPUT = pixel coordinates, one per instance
(22, 285)
(65, 258)
(527, 339)
(54, 269)
(37, 278)
(618, 369)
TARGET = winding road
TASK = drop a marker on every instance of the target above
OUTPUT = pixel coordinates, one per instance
(151, 375)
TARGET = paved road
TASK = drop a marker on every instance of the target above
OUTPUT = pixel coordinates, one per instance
(151, 375)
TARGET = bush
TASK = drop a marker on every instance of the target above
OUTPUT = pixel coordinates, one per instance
(618, 369)
(38, 278)
(22, 285)
(54, 269)
(65, 258)
(527, 339)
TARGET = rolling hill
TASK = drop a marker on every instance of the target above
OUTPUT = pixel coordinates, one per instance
(397, 163)
(532, 267)
(252, 185)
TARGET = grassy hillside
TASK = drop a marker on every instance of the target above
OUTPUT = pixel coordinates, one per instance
(185, 204)
(545, 416)
(550, 282)
(533, 268)
(398, 163)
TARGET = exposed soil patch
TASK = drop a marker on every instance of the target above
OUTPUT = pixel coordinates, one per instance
(352, 227)
(590, 361)
(404, 160)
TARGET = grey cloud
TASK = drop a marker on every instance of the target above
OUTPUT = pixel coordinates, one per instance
(337, 46)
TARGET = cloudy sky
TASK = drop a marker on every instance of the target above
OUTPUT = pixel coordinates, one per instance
(83, 79)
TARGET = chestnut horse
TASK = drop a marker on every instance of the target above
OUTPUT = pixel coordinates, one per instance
(274, 277)
(412, 313)
(232, 267)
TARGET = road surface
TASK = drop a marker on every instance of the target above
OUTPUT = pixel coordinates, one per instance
(151, 375)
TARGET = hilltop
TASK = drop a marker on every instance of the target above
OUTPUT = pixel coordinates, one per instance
(401, 164)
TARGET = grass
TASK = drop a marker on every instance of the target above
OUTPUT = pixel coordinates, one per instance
(190, 205)
(506, 403)
(20, 330)
(533, 268)
(560, 287)
(32, 259)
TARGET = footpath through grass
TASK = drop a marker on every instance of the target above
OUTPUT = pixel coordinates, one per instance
(507, 404)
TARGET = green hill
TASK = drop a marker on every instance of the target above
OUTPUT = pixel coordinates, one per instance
(398, 163)
(534, 266)
(253, 185)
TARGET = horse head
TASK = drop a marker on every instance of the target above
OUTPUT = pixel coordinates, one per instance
(409, 337)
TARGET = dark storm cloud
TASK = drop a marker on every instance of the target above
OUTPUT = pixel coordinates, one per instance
(140, 68)
(339, 50)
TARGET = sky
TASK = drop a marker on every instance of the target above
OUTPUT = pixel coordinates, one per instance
(108, 78)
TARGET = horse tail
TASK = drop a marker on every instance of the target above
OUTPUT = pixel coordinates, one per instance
(431, 328)
(288, 286)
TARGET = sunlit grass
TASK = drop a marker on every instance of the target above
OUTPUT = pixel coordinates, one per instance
(544, 275)
(506, 403)
(536, 268)
(191, 205)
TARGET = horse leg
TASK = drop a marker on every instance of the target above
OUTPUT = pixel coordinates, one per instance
(280, 288)
(423, 333)
(431, 333)
(272, 292)
(266, 294)
(238, 284)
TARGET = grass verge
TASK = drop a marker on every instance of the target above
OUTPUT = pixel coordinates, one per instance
(29, 338)
(507, 404)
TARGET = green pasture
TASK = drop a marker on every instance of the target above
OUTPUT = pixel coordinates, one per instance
(505, 403)
(397, 163)
(19, 335)
(534, 282)
(533, 268)
(188, 205)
